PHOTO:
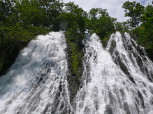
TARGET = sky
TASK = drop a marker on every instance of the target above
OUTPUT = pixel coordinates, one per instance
(114, 7)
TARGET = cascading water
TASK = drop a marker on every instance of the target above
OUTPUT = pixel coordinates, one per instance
(133, 61)
(116, 80)
(37, 82)
(131, 58)
(106, 88)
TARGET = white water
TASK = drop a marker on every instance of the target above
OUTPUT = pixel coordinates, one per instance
(115, 80)
(106, 88)
(131, 55)
(37, 82)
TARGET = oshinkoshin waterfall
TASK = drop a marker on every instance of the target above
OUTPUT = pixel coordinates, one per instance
(117, 79)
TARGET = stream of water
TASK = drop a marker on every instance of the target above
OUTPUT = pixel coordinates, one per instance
(116, 79)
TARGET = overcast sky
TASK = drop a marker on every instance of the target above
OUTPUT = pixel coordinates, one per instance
(114, 7)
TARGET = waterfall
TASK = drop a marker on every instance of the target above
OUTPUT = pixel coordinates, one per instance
(113, 81)
(131, 58)
(37, 82)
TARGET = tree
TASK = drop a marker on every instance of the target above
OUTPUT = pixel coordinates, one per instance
(147, 17)
(100, 22)
(96, 13)
(134, 11)
(147, 22)
(5, 10)
(73, 17)
(121, 26)
(53, 8)
(30, 13)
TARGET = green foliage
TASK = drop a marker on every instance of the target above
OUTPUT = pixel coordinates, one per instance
(73, 22)
(75, 52)
(101, 23)
(76, 55)
(134, 11)
(5, 10)
(30, 13)
(52, 8)
(121, 26)
(104, 26)
(145, 31)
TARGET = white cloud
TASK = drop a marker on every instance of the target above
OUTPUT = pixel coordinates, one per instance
(114, 7)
